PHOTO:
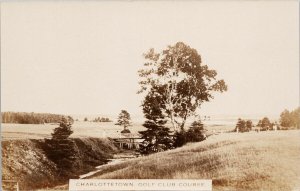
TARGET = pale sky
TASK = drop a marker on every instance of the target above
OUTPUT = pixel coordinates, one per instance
(82, 57)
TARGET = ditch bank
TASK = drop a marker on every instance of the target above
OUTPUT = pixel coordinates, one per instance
(26, 161)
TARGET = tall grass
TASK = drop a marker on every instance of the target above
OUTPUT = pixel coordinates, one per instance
(248, 161)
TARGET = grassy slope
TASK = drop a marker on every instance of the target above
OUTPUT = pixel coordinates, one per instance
(249, 161)
(23, 162)
(26, 162)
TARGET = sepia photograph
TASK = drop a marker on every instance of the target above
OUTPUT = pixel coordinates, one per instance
(150, 95)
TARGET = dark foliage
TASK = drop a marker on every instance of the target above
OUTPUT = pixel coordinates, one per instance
(62, 150)
(180, 138)
(157, 137)
(241, 126)
(32, 118)
(124, 120)
(195, 133)
(249, 125)
(125, 131)
(265, 124)
(290, 119)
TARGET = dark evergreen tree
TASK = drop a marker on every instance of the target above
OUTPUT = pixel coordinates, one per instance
(157, 137)
(61, 149)
(63, 131)
(195, 132)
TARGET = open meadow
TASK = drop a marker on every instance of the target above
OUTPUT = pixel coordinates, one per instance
(89, 129)
(80, 129)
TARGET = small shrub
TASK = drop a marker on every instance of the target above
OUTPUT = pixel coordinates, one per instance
(193, 134)
(180, 138)
(125, 131)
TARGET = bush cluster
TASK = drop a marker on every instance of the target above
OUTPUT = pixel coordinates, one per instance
(195, 133)
(243, 125)
(265, 124)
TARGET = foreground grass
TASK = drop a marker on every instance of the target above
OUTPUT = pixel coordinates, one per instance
(248, 161)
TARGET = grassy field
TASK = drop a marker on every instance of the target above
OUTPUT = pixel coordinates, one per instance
(248, 161)
(81, 130)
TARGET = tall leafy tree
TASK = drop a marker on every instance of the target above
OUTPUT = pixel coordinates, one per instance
(290, 119)
(124, 120)
(266, 124)
(185, 83)
(296, 117)
(285, 119)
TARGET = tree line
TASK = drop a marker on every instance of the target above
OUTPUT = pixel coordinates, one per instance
(32, 118)
(102, 119)
(247, 125)
(98, 119)
(288, 120)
